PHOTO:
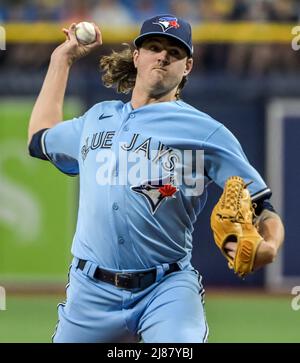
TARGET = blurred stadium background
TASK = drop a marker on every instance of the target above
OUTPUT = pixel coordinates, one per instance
(246, 75)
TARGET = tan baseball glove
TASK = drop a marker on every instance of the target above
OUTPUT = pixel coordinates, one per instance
(232, 221)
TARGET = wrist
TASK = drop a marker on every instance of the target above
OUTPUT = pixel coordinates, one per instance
(271, 249)
(266, 254)
(274, 246)
(61, 60)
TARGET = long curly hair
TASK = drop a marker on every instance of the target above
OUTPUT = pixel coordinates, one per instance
(120, 72)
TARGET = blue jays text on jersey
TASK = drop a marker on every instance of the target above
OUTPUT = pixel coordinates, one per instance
(139, 226)
(183, 167)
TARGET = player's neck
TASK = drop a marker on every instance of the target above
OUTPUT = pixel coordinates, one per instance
(140, 98)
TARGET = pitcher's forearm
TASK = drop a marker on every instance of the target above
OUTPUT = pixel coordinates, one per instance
(272, 229)
(48, 109)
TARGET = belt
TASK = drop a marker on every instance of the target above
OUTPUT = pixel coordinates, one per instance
(128, 280)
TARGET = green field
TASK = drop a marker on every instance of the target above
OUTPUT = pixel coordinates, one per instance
(231, 319)
(37, 203)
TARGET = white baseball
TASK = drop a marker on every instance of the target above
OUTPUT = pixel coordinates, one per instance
(85, 32)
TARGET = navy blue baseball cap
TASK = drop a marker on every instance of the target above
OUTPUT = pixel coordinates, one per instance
(168, 26)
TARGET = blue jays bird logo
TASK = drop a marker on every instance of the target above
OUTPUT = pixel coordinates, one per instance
(155, 193)
(167, 22)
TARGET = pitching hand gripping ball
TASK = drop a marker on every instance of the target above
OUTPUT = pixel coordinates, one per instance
(85, 32)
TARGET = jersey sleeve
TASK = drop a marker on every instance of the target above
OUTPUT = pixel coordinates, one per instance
(224, 157)
(60, 145)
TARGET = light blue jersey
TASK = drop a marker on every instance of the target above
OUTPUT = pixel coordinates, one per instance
(130, 226)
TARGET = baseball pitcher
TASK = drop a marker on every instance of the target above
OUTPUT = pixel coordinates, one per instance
(145, 167)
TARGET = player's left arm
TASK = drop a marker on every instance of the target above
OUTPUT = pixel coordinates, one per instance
(271, 228)
(226, 159)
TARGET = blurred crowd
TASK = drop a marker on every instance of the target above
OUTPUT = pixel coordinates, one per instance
(115, 12)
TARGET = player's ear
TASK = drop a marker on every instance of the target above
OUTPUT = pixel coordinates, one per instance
(188, 66)
(135, 57)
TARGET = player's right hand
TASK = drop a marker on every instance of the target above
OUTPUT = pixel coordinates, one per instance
(71, 49)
